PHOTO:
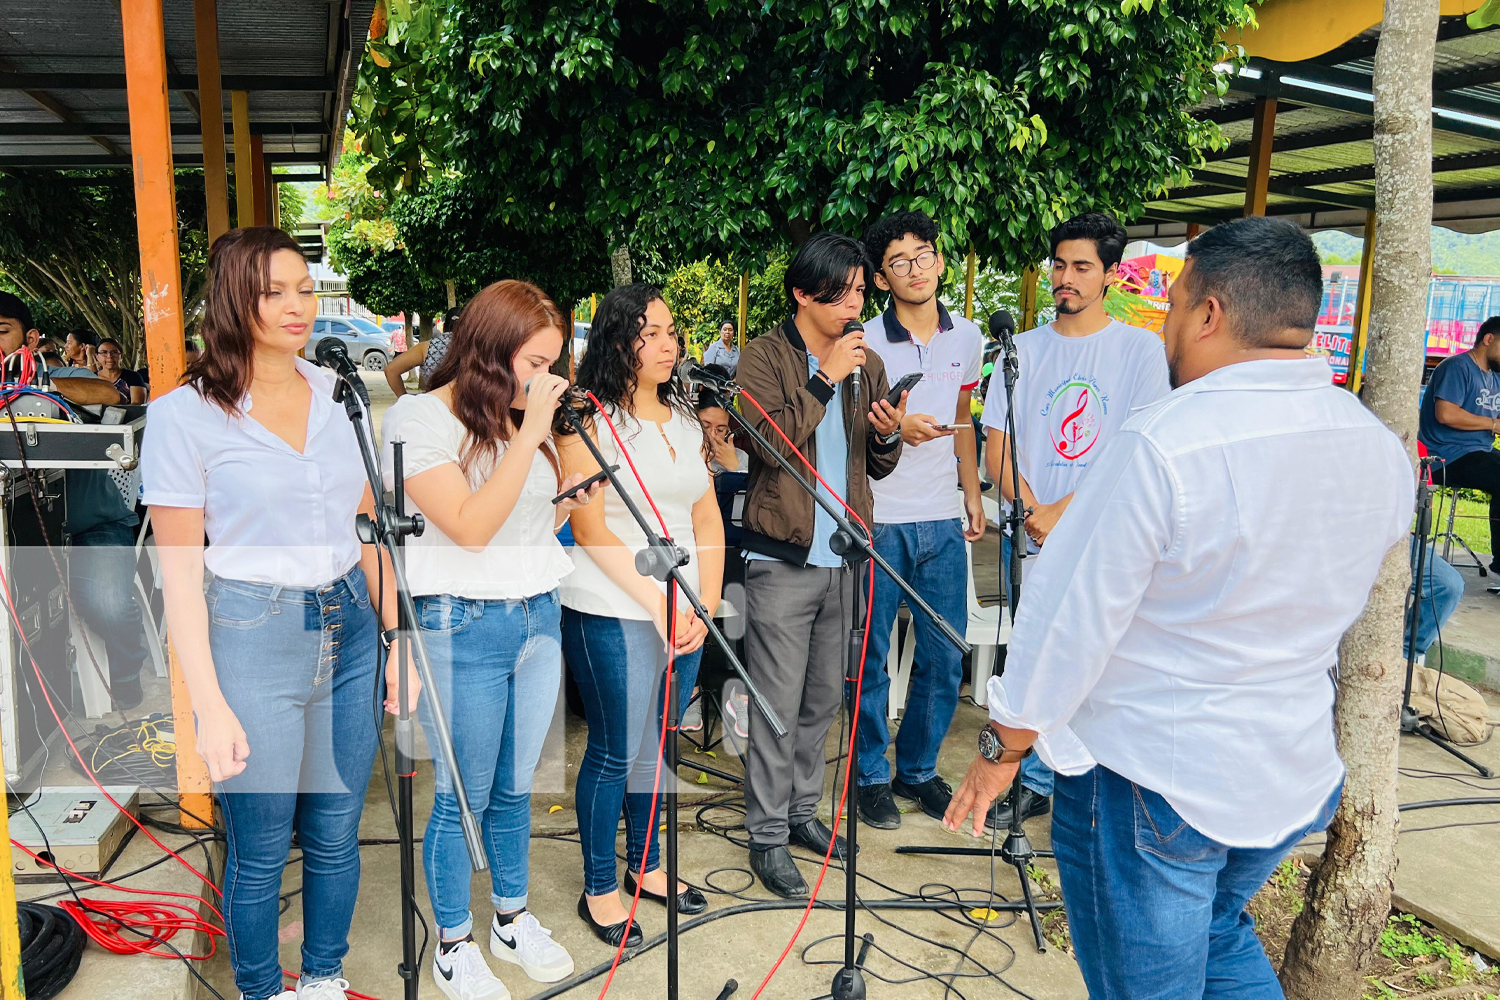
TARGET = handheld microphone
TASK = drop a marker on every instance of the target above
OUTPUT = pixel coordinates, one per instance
(572, 395)
(332, 353)
(855, 326)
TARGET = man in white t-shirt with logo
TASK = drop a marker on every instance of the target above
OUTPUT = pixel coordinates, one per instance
(925, 511)
(1080, 376)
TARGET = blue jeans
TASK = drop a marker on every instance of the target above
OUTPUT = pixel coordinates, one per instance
(931, 556)
(497, 666)
(1155, 908)
(102, 571)
(1442, 589)
(619, 665)
(297, 667)
(1035, 775)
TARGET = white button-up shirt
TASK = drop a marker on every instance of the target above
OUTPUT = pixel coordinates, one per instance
(272, 515)
(1182, 620)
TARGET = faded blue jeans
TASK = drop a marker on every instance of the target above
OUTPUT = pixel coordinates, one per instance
(101, 567)
(497, 666)
(1034, 774)
(298, 669)
(1442, 590)
(930, 555)
(1156, 909)
(619, 664)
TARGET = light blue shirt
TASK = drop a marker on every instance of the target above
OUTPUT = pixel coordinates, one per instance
(833, 466)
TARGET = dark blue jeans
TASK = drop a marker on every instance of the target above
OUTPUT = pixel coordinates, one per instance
(102, 571)
(297, 667)
(931, 556)
(1442, 589)
(619, 665)
(1156, 909)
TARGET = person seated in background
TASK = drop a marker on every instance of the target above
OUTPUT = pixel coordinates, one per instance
(79, 347)
(1460, 416)
(1442, 589)
(108, 356)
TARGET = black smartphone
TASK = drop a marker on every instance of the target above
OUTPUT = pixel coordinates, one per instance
(907, 384)
(587, 484)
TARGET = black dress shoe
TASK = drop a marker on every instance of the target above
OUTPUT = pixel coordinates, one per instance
(1032, 804)
(610, 934)
(813, 835)
(778, 872)
(877, 808)
(933, 795)
(689, 900)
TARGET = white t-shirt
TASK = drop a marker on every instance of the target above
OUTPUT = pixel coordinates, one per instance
(924, 485)
(523, 559)
(670, 461)
(1072, 395)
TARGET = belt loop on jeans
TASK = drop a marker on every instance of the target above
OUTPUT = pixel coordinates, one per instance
(276, 590)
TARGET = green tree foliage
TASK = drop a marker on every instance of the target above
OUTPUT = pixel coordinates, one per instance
(705, 293)
(723, 130)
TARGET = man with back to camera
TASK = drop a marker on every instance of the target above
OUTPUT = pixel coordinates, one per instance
(925, 511)
(722, 352)
(1080, 377)
(797, 590)
(1173, 658)
(1460, 417)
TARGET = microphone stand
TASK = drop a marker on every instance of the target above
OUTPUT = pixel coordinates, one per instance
(1017, 849)
(856, 549)
(663, 559)
(389, 528)
(1411, 722)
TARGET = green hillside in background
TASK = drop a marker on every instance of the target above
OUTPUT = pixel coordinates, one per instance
(1452, 253)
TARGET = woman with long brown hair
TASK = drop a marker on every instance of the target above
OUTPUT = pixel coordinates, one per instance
(273, 621)
(481, 468)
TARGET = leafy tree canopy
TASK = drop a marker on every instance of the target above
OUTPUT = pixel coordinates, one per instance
(722, 129)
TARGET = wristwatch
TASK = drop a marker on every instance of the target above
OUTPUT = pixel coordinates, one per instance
(389, 636)
(991, 749)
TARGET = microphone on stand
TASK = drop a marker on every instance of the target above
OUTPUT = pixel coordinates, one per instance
(332, 353)
(1003, 329)
(572, 396)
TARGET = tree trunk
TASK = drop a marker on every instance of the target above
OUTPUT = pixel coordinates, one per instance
(1349, 898)
(619, 260)
(426, 326)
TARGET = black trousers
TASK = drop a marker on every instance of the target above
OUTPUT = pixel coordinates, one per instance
(1478, 470)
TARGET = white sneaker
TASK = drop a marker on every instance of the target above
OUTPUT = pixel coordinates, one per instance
(528, 944)
(463, 975)
(323, 989)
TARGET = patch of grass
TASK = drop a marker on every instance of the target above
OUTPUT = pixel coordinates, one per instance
(1054, 922)
(1472, 521)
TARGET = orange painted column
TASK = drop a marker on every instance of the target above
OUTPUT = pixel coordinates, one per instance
(161, 294)
(211, 100)
(258, 180)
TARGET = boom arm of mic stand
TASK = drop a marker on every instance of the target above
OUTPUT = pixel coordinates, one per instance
(674, 573)
(385, 529)
(856, 537)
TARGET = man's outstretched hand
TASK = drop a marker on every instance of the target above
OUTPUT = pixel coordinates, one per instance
(985, 782)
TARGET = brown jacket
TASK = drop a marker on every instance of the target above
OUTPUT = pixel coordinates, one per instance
(778, 512)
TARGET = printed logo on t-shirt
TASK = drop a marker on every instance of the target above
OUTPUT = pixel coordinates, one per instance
(1075, 414)
(1488, 399)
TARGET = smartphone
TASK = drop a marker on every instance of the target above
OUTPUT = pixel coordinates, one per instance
(587, 484)
(907, 384)
(953, 427)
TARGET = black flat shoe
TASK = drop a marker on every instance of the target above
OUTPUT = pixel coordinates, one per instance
(610, 934)
(778, 872)
(689, 900)
(1032, 804)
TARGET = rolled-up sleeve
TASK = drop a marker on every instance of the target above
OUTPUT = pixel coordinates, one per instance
(1088, 582)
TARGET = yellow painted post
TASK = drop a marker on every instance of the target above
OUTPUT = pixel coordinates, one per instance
(1262, 138)
(211, 100)
(244, 183)
(1029, 279)
(12, 987)
(969, 284)
(744, 307)
(1362, 309)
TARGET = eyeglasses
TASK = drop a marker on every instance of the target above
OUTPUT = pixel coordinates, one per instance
(901, 266)
(109, 353)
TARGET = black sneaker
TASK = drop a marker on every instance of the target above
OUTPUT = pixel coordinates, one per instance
(877, 808)
(1032, 804)
(933, 795)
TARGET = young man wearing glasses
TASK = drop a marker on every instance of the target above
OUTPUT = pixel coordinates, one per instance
(925, 512)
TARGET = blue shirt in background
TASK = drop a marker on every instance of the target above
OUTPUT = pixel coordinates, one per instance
(1463, 383)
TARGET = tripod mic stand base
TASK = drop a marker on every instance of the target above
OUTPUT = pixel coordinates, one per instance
(848, 984)
(1412, 723)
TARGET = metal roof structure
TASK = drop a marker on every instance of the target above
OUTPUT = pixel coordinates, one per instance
(1321, 166)
(62, 79)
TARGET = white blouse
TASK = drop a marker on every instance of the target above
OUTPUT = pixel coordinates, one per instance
(272, 515)
(523, 559)
(670, 460)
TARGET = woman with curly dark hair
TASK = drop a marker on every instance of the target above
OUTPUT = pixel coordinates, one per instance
(614, 621)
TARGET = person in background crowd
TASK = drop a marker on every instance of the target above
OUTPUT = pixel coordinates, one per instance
(1080, 377)
(1174, 664)
(101, 524)
(79, 347)
(925, 512)
(720, 450)
(723, 351)
(425, 357)
(191, 351)
(614, 619)
(481, 468)
(1442, 590)
(1460, 416)
(109, 354)
(48, 351)
(273, 622)
(798, 592)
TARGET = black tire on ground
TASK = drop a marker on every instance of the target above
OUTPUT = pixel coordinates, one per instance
(375, 361)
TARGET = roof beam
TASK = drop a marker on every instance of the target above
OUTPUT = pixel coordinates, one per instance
(1458, 79)
(73, 161)
(1240, 112)
(1366, 171)
(71, 128)
(181, 81)
(1280, 185)
(1303, 140)
(52, 106)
